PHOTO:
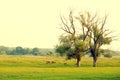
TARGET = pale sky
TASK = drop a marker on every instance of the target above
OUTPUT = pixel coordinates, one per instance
(35, 23)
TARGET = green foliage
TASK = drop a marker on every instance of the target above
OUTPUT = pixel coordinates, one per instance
(66, 40)
(71, 53)
(108, 55)
(35, 51)
(100, 37)
(107, 40)
(70, 47)
(26, 51)
(80, 45)
(50, 53)
(4, 50)
(62, 49)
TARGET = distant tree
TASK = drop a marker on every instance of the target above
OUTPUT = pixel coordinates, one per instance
(13, 52)
(4, 50)
(36, 51)
(107, 53)
(26, 51)
(50, 53)
(19, 51)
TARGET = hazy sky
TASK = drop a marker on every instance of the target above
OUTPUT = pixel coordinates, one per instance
(34, 23)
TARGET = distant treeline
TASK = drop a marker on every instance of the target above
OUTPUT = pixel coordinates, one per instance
(42, 51)
(26, 51)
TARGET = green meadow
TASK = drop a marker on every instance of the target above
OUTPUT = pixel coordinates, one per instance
(36, 68)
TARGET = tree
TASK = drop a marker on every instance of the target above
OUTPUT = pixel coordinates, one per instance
(35, 51)
(71, 44)
(107, 53)
(64, 46)
(26, 51)
(4, 50)
(93, 28)
(19, 51)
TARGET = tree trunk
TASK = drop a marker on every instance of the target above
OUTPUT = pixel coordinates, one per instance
(94, 61)
(93, 53)
(78, 62)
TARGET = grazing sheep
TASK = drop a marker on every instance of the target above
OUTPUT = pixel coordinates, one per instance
(47, 62)
(53, 62)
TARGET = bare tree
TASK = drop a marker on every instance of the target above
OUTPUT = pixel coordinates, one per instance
(96, 33)
(76, 46)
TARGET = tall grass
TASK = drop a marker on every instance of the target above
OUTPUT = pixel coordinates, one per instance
(40, 61)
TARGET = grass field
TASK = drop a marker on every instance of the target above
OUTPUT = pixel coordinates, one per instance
(35, 68)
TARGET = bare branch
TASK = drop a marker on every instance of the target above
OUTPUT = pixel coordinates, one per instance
(69, 28)
(71, 21)
(103, 23)
(93, 17)
(66, 28)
